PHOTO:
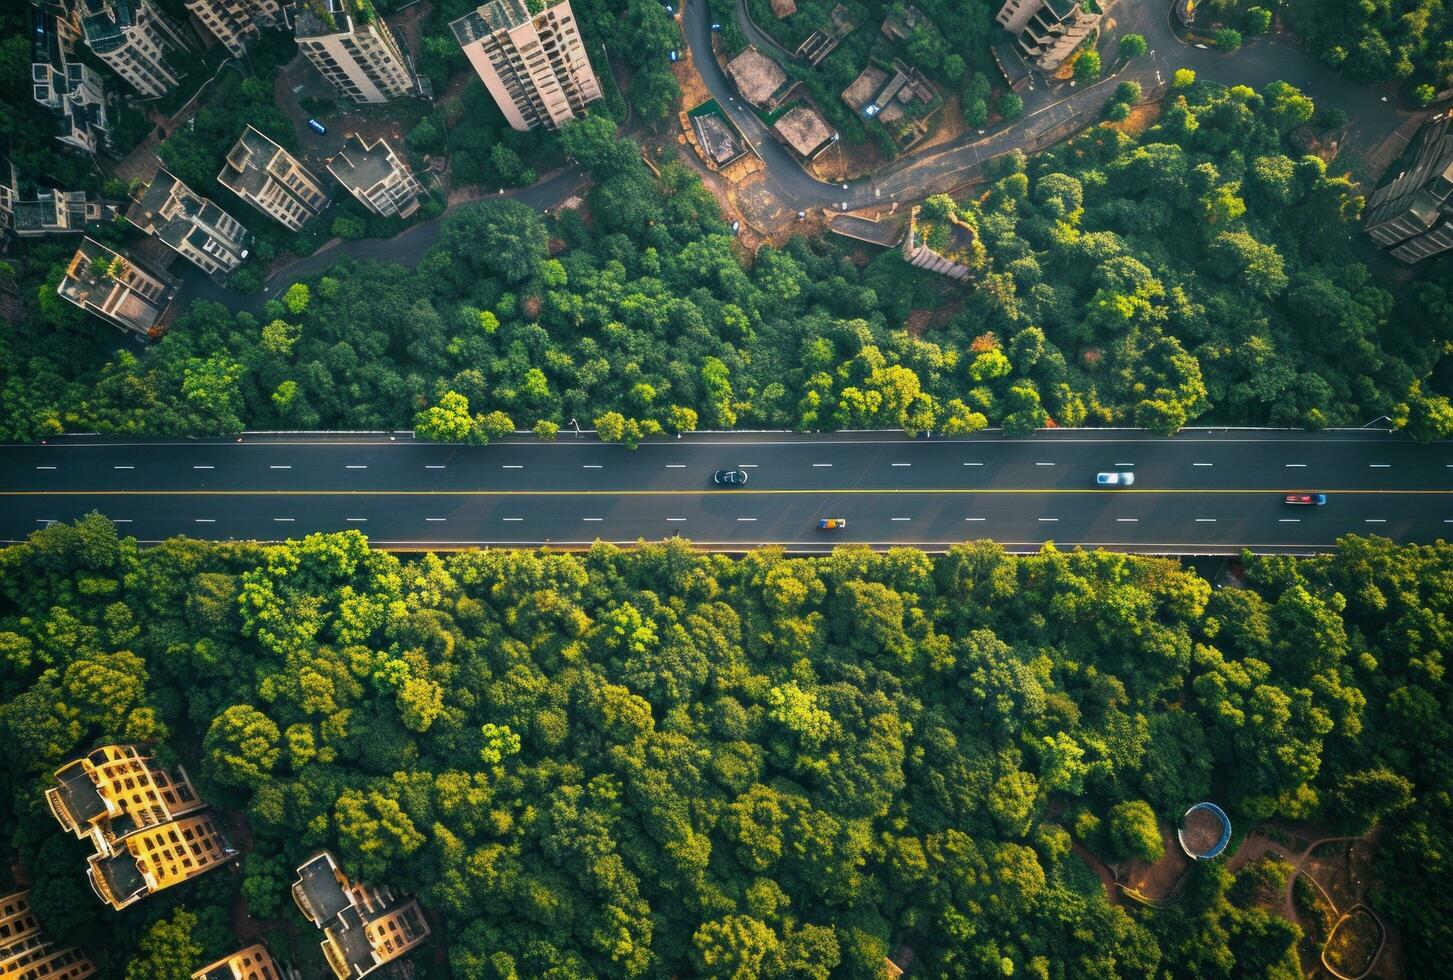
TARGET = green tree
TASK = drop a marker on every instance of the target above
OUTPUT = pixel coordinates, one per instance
(448, 421)
(1087, 67)
(1132, 45)
(243, 746)
(1133, 832)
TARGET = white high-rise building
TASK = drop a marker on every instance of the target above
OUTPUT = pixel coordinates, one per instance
(133, 38)
(348, 42)
(70, 89)
(235, 22)
(534, 64)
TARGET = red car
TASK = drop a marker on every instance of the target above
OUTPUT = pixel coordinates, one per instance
(1313, 499)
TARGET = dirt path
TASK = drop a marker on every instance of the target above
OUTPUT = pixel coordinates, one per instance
(1112, 890)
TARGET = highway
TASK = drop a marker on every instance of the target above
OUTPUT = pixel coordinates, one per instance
(1202, 492)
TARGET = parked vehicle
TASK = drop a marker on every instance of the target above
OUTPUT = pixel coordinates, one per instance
(317, 127)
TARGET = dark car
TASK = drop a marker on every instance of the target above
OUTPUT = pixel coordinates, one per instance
(1308, 499)
(730, 478)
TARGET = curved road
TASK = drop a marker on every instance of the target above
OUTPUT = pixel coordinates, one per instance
(1208, 491)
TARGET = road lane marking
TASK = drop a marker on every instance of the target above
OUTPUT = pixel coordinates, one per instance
(901, 464)
(981, 464)
(675, 520)
(746, 518)
(1123, 464)
(821, 464)
(436, 520)
(590, 466)
(748, 466)
(1127, 520)
(204, 467)
(1296, 466)
(204, 520)
(1203, 464)
(901, 518)
(1379, 466)
(1205, 520)
(976, 518)
(592, 518)
(1048, 520)
(512, 518)
(356, 466)
(120, 520)
(433, 466)
(512, 466)
(1377, 520)
(676, 466)
(123, 467)
(45, 467)
(283, 520)
(46, 521)
(356, 520)
(1043, 464)
(276, 466)
(1289, 520)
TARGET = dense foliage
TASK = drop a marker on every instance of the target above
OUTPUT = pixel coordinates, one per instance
(657, 763)
(1201, 271)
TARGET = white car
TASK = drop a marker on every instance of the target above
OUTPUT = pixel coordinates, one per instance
(1114, 479)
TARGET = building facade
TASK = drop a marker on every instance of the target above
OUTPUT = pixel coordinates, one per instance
(1049, 31)
(377, 177)
(65, 86)
(29, 210)
(351, 46)
(235, 22)
(534, 64)
(134, 39)
(147, 826)
(272, 180)
(252, 963)
(1413, 215)
(363, 927)
(190, 225)
(25, 953)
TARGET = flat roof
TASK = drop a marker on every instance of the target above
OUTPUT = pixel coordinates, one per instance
(756, 76)
(322, 889)
(803, 129)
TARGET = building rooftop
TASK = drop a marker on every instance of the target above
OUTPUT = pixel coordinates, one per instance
(319, 884)
(78, 793)
(120, 873)
(249, 177)
(756, 76)
(315, 18)
(864, 87)
(496, 15)
(804, 130)
(363, 927)
(359, 166)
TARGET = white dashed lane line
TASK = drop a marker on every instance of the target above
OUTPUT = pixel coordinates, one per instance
(902, 464)
(356, 466)
(512, 466)
(204, 467)
(976, 518)
(204, 520)
(356, 520)
(590, 466)
(1377, 520)
(821, 465)
(1379, 466)
(676, 466)
(123, 467)
(45, 467)
(1127, 520)
(746, 519)
(1289, 520)
(973, 464)
(1296, 466)
(276, 466)
(433, 466)
(1205, 520)
(436, 520)
(512, 519)
(1203, 464)
(1048, 520)
(593, 519)
(901, 518)
(675, 520)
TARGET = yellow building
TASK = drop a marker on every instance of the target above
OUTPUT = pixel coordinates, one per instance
(363, 927)
(25, 954)
(252, 963)
(144, 824)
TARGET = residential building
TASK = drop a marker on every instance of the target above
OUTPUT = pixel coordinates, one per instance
(71, 90)
(759, 79)
(272, 180)
(25, 953)
(235, 22)
(376, 176)
(898, 96)
(804, 131)
(252, 963)
(118, 789)
(31, 210)
(130, 298)
(190, 225)
(348, 42)
(899, 25)
(363, 927)
(824, 41)
(1049, 31)
(1413, 214)
(135, 40)
(532, 60)
(151, 860)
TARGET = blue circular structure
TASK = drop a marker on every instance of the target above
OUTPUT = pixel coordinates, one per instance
(1197, 848)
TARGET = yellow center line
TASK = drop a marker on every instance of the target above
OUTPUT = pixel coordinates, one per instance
(853, 491)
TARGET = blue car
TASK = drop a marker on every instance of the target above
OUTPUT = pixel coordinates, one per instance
(317, 127)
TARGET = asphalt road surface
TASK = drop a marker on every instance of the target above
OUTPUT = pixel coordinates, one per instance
(1202, 492)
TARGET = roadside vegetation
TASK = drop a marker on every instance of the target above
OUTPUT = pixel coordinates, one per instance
(656, 762)
(1201, 272)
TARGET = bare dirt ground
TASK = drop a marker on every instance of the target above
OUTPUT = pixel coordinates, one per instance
(1141, 118)
(1157, 881)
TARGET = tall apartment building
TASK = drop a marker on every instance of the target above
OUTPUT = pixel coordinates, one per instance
(190, 225)
(272, 180)
(31, 210)
(377, 177)
(348, 42)
(252, 963)
(1413, 215)
(1049, 31)
(25, 953)
(146, 825)
(130, 298)
(534, 64)
(363, 927)
(72, 91)
(235, 22)
(134, 39)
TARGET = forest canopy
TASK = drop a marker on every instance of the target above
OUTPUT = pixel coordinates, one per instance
(655, 762)
(1198, 272)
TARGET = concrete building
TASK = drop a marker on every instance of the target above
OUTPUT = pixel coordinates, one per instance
(190, 225)
(1413, 214)
(759, 79)
(363, 927)
(376, 176)
(25, 953)
(1049, 31)
(235, 22)
(146, 825)
(252, 963)
(30, 210)
(351, 46)
(804, 132)
(71, 90)
(531, 59)
(134, 39)
(272, 180)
